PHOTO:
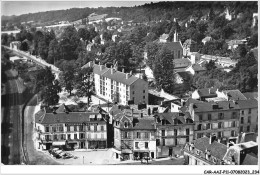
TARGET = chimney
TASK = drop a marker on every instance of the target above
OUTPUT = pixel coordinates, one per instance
(127, 75)
(212, 138)
(112, 70)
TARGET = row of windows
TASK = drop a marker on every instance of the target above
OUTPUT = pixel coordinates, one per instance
(175, 132)
(220, 116)
(219, 134)
(210, 126)
(63, 136)
(248, 120)
(175, 141)
(71, 128)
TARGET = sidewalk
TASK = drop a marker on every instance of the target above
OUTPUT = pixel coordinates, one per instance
(35, 157)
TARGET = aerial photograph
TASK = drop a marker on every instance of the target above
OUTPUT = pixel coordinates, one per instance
(129, 83)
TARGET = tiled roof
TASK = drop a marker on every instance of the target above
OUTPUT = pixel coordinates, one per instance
(164, 36)
(234, 95)
(173, 46)
(250, 159)
(73, 117)
(181, 61)
(170, 116)
(207, 92)
(145, 123)
(206, 39)
(222, 105)
(244, 104)
(96, 69)
(63, 108)
(120, 77)
(197, 67)
(251, 95)
(216, 149)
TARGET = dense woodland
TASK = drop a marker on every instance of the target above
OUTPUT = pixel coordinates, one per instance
(68, 51)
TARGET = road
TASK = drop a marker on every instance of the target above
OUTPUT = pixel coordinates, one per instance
(38, 60)
(12, 103)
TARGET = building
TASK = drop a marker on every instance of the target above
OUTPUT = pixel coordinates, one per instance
(134, 136)
(181, 63)
(206, 39)
(255, 19)
(70, 130)
(173, 131)
(223, 61)
(248, 115)
(164, 38)
(233, 44)
(189, 46)
(120, 87)
(242, 154)
(204, 151)
(203, 94)
(15, 45)
(220, 118)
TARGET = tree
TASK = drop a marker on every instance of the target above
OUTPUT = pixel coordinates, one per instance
(164, 70)
(253, 41)
(43, 49)
(50, 93)
(83, 83)
(67, 77)
(152, 50)
(4, 39)
(210, 65)
(53, 52)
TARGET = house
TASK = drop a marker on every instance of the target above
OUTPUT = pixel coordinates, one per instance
(120, 87)
(251, 95)
(226, 62)
(164, 38)
(15, 45)
(134, 137)
(203, 94)
(70, 130)
(176, 48)
(174, 129)
(220, 118)
(189, 46)
(248, 115)
(181, 63)
(196, 68)
(255, 19)
(206, 39)
(242, 154)
(233, 44)
(204, 151)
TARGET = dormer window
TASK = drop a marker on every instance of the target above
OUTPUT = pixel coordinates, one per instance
(125, 125)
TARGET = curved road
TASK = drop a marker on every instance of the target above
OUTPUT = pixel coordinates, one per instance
(38, 61)
(12, 103)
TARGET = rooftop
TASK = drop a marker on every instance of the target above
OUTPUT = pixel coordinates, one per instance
(250, 159)
(251, 95)
(207, 92)
(234, 95)
(246, 104)
(216, 149)
(220, 105)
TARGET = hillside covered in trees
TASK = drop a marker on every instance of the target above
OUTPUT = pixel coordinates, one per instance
(144, 13)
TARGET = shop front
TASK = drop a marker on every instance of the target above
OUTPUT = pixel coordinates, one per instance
(97, 144)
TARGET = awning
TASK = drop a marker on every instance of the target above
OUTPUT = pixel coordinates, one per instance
(128, 151)
(59, 143)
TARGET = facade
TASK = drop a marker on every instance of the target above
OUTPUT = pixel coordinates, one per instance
(71, 130)
(204, 151)
(189, 46)
(15, 45)
(223, 61)
(134, 137)
(248, 115)
(242, 154)
(220, 118)
(116, 86)
(173, 131)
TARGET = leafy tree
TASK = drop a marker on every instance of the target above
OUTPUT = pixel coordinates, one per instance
(69, 43)
(50, 93)
(210, 65)
(164, 70)
(83, 83)
(152, 49)
(84, 34)
(67, 77)
(253, 41)
(43, 49)
(4, 38)
(24, 46)
(29, 36)
(53, 52)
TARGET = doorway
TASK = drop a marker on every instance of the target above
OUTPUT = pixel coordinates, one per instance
(152, 155)
(82, 145)
(170, 151)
